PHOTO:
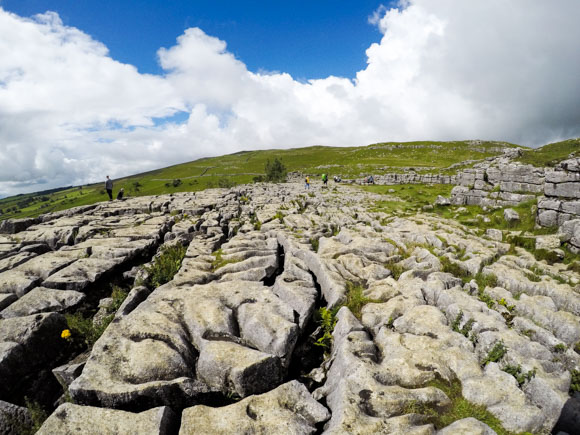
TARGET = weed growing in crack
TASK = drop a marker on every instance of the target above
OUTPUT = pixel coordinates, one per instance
(459, 409)
(516, 372)
(503, 303)
(466, 329)
(355, 298)
(83, 332)
(38, 415)
(453, 268)
(327, 320)
(560, 348)
(220, 261)
(165, 265)
(314, 242)
(495, 354)
(575, 383)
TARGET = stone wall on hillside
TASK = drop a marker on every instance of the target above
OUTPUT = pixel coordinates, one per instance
(502, 184)
(561, 200)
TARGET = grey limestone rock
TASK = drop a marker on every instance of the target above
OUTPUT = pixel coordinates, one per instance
(288, 409)
(510, 215)
(71, 419)
(20, 337)
(41, 300)
(13, 418)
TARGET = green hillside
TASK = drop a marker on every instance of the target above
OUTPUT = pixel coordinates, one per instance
(550, 154)
(245, 166)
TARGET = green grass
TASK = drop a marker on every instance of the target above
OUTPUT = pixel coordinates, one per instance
(243, 167)
(460, 408)
(551, 154)
(412, 196)
(220, 261)
(165, 265)
(355, 299)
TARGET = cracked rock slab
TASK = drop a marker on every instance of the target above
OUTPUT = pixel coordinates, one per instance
(288, 409)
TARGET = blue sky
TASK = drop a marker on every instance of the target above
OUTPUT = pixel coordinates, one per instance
(307, 39)
(118, 87)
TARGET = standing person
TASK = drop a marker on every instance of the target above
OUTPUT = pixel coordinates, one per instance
(325, 180)
(307, 182)
(109, 187)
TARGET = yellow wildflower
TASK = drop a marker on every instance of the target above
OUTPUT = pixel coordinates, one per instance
(65, 334)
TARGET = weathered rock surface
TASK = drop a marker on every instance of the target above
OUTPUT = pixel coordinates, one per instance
(240, 316)
(288, 409)
(73, 419)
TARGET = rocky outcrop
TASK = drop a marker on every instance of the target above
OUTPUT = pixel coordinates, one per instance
(428, 312)
(561, 200)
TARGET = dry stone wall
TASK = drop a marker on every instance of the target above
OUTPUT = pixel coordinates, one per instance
(229, 343)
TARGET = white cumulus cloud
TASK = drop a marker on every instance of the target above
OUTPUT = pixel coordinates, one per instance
(442, 70)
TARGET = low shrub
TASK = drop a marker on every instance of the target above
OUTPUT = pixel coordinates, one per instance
(165, 265)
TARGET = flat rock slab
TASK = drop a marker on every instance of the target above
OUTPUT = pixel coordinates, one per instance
(288, 409)
(82, 273)
(234, 337)
(42, 300)
(18, 282)
(15, 260)
(71, 419)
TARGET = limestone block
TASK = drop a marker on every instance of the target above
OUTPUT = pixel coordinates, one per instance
(41, 300)
(494, 234)
(510, 215)
(563, 190)
(288, 409)
(69, 419)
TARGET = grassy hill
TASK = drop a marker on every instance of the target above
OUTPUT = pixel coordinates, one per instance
(243, 167)
(550, 154)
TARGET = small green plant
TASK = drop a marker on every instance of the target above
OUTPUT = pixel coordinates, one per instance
(327, 320)
(453, 268)
(487, 299)
(165, 265)
(487, 280)
(516, 372)
(396, 269)
(560, 348)
(574, 266)
(575, 382)
(314, 242)
(279, 216)
(84, 333)
(355, 298)
(466, 327)
(220, 261)
(37, 415)
(459, 409)
(495, 354)
(532, 276)
(503, 303)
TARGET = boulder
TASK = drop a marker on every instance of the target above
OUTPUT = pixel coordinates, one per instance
(510, 215)
(441, 200)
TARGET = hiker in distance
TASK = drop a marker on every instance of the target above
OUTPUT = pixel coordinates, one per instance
(109, 187)
(325, 180)
(307, 182)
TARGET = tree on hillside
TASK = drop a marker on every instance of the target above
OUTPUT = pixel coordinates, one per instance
(275, 171)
